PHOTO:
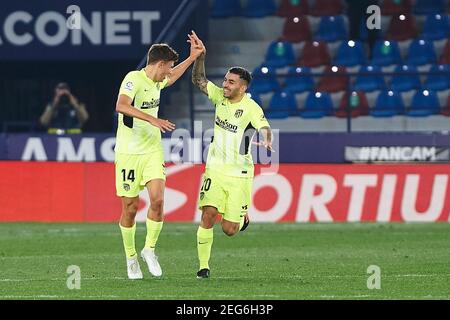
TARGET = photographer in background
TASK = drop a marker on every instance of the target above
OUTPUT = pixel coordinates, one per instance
(64, 114)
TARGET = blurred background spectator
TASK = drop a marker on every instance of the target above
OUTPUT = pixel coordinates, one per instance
(64, 114)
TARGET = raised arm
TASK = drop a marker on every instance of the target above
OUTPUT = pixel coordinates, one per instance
(198, 71)
(80, 109)
(180, 69)
(199, 75)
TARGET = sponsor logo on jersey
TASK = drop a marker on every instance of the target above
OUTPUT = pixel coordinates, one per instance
(224, 124)
(154, 103)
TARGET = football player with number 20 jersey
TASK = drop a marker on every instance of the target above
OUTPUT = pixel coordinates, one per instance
(227, 182)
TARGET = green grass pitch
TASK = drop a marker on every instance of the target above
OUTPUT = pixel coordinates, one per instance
(267, 261)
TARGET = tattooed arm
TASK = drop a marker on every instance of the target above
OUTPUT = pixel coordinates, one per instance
(198, 74)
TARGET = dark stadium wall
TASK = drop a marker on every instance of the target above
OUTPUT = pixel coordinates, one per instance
(94, 72)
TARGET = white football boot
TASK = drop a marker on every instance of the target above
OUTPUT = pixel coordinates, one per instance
(133, 268)
(152, 261)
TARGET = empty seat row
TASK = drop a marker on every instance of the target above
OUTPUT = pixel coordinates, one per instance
(388, 103)
(280, 54)
(289, 8)
(333, 28)
(334, 79)
(263, 8)
(395, 7)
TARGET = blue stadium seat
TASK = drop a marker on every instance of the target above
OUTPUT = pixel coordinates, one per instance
(369, 79)
(255, 96)
(226, 8)
(299, 80)
(280, 54)
(439, 77)
(389, 103)
(405, 81)
(421, 52)
(430, 6)
(424, 103)
(259, 8)
(331, 28)
(437, 27)
(265, 80)
(350, 53)
(282, 105)
(386, 53)
(317, 105)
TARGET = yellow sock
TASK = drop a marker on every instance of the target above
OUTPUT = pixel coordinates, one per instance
(204, 244)
(128, 240)
(153, 231)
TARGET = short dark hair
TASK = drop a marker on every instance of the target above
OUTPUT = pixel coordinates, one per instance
(243, 73)
(161, 52)
(62, 85)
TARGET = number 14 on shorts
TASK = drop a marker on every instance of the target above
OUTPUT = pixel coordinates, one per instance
(130, 175)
